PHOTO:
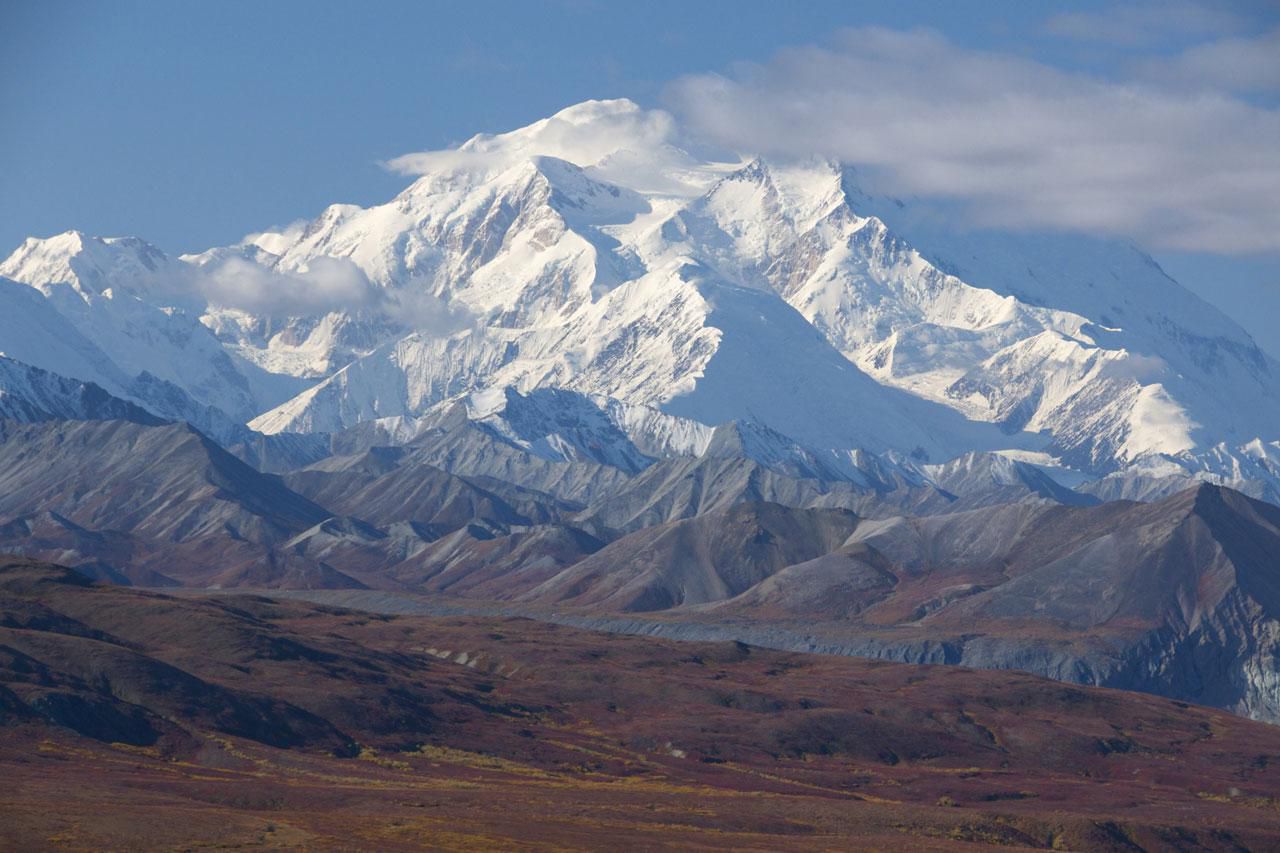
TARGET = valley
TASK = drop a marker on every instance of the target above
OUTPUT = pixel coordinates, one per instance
(265, 722)
(598, 484)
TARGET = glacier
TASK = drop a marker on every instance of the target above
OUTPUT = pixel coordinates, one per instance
(593, 286)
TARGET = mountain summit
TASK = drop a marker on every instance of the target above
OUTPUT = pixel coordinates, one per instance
(596, 252)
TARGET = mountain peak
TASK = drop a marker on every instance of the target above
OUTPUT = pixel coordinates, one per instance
(573, 125)
(616, 141)
(89, 264)
(594, 109)
(588, 251)
(746, 438)
(749, 439)
(582, 134)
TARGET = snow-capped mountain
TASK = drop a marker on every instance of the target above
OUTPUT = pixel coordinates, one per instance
(30, 394)
(140, 310)
(587, 282)
(1252, 468)
(34, 333)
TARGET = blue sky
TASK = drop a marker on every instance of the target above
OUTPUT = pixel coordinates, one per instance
(192, 124)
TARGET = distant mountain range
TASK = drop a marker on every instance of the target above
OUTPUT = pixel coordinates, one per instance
(577, 255)
(578, 372)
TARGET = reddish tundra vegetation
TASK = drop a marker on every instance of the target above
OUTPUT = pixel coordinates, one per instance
(131, 719)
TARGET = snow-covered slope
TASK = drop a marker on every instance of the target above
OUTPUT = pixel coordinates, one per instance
(30, 394)
(984, 479)
(588, 273)
(1252, 468)
(673, 339)
(88, 265)
(667, 297)
(141, 309)
(34, 332)
(1086, 340)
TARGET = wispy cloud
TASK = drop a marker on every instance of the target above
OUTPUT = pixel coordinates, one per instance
(1136, 24)
(326, 284)
(1017, 142)
(582, 134)
(1235, 64)
(413, 308)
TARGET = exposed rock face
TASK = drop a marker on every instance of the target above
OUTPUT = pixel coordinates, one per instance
(707, 558)
(650, 279)
(29, 394)
(585, 370)
(1180, 597)
(141, 499)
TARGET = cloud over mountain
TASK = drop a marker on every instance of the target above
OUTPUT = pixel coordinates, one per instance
(1015, 141)
(327, 284)
(585, 134)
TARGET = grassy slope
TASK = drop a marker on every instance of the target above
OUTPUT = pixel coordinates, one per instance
(546, 735)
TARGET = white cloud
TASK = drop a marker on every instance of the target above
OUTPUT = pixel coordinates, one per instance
(583, 134)
(1137, 366)
(1239, 64)
(414, 308)
(1132, 24)
(1018, 143)
(277, 240)
(328, 284)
